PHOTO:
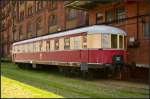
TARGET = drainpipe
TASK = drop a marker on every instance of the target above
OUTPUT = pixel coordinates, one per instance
(137, 36)
(1, 3)
(149, 35)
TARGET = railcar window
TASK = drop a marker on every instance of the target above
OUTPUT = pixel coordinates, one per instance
(120, 41)
(84, 41)
(23, 49)
(105, 40)
(15, 49)
(48, 45)
(57, 44)
(113, 41)
(125, 42)
(37, 46)
(66, 43)
(28, 48)
(20, 47)
(40, 46)
(76, 43)
(33, 47)
(18, 50)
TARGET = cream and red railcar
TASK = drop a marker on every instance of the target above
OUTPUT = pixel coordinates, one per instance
(96, 46)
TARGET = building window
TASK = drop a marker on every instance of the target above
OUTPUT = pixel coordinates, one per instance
(109, 16)
(20, 32)
(48, 45)
(22, 2)
(113, 41)
(66, 43)
(30, 11)
(53, 4)
(146, 30)
(71, 13)
(99, 18)
(39, 5)
(84, 41)
(120, 14)
(52, 20)
(22, 16)
(39, 24)
(57, 44)
(29, 27)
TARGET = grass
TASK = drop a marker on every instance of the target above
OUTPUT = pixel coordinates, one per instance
(74, 87)
(14, 89)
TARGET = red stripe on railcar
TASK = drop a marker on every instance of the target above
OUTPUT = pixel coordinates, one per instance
(89, 56)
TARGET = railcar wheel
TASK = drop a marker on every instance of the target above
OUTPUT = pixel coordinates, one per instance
(88, 75)
(24, 66)
(20, 65)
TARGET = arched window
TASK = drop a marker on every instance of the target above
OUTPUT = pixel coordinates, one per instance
(53, 4)
(20, 32)
(39, 23)
(52, 20)
(71, 14)
(30, 11)
(39, 5)
(29, 27)
(22, 16)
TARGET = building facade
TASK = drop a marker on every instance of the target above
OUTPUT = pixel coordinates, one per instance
(28, 19)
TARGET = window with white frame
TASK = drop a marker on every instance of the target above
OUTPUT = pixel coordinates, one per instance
(105, 41)
(77, 43)
(114, 41)
(67, 43)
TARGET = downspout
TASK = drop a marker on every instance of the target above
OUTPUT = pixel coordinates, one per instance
(1, 3)
(149, 36)
(137, 36)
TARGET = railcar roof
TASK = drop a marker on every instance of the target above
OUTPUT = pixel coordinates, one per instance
(102, 29)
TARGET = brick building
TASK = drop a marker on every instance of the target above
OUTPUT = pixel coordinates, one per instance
(27, 19)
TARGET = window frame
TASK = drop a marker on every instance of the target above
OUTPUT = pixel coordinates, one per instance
(30, 11)
(107, 18)
(103, 45)
(39, 6)
(56, 44)
(77, 42)
(53, 4)
(39, 23)
(115, 42)
(66, 43)
(71, 14)
(121, 47)
(120, 16)
(29, 27)
(48, 45)
(20, 31)
(146, 30)
(22, 15)
(84, 41)
(52, 20)
(99, 18)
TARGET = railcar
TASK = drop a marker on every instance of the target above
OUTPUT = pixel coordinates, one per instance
(92, 47)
